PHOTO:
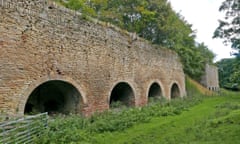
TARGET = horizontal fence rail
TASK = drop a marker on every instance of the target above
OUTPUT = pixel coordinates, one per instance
(23, 130)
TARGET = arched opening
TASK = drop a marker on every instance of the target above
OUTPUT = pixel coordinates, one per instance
(175, 92)
(53, 96)
(122, 94)
(154, 92)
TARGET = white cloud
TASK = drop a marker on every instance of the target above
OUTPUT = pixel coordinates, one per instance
(203, 15)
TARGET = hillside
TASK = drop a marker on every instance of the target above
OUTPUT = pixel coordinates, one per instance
(194, 87)
(215, 120)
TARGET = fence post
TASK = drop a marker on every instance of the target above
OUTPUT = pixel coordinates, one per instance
(23, 130)
(2, 135)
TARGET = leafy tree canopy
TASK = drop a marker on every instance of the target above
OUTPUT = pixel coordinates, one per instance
(229, 28)
(229, 31)
(229, 72)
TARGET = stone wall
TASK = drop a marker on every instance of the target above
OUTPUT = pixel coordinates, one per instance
(210, 78)
(41, 41)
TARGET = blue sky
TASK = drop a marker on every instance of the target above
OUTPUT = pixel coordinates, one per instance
(204, 16)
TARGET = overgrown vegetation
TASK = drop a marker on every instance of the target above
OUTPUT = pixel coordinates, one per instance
(229, 73)
(192, 119)
(229, 31)
(195, 118)
(76, 129)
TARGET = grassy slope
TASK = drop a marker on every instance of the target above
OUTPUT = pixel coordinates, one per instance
(192, 85)
(212, 121)
(215, 120)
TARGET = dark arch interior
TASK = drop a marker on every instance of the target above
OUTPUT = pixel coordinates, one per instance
(53, 97)
(175, 92)
(122, 93)
(155, 91)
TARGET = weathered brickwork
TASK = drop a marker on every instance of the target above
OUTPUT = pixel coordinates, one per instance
(42, 42)
(210, 78)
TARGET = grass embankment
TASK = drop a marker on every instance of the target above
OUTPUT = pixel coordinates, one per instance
(194, 87)
(214, 120)
(194, 119)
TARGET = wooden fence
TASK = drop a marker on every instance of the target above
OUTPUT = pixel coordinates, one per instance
(23, 130)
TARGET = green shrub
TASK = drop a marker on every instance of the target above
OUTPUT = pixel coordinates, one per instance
(76, 129)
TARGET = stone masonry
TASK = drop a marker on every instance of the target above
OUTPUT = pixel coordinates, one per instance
(210, 78)
(42, 43)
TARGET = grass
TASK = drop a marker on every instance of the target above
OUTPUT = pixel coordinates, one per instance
(194, 119)
(194, 86)
(203, 123)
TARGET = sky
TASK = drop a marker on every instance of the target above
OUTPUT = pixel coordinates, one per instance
(204, 16)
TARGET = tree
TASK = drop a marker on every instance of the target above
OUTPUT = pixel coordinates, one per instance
(229, 28)
(229, 31)
(82, 6)
(229, 72)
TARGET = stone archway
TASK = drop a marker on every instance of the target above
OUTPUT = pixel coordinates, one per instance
(122, 93)
(155, 91)
(175, 91)
(54, 96)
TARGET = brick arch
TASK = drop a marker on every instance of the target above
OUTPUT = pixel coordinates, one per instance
(128, 84)
(175, 83)
(160, 84)
(103, 56)
(32, 86)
